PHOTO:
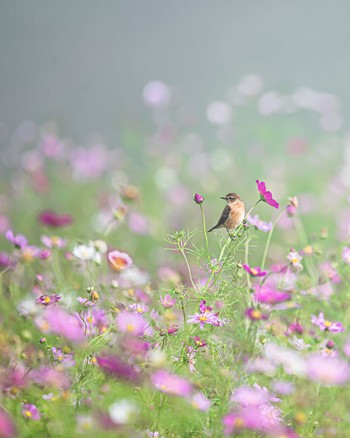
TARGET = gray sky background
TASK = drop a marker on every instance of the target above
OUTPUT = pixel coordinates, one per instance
(84, 62)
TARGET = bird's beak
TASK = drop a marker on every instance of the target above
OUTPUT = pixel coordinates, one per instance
(222, 197)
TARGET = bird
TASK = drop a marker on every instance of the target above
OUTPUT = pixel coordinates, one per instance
(232, 215)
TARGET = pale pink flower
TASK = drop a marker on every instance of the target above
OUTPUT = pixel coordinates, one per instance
(131, 323)
(171, 384)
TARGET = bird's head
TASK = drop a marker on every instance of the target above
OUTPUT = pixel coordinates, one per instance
(231, 197)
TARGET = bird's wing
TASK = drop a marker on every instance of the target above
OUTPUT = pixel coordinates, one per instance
(224, 216)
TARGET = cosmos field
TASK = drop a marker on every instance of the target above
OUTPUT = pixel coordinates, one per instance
(121, 316)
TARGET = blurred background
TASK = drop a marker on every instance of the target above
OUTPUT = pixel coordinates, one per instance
(173, 99)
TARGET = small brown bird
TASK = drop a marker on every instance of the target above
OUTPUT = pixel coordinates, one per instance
(233, 214)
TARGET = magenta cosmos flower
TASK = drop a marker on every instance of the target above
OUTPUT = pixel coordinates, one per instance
(206, 316)
(326, 325)
(198, 199)
(265, 195)
(60, 322)
(7, 427)
(54, 220)
(171, 383)
(255, 315)
(327, 371)
(269, 295)
(115, 367)
(254, 272)
(18, 240)
(119, 261)
(30, 412)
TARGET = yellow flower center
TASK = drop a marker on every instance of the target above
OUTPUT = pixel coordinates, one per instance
(300, 417)
(256, 314)
(254, 271)
(130, 328)
(27, 414)
(239, 422)
(203, 318)
(294, 260)
(55, 240)
(47, 300)
(327, 324)
(27, 255)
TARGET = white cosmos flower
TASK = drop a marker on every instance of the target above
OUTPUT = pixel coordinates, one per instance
(123, 411)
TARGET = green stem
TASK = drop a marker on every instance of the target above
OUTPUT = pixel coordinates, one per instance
(189, 269)
(205, 230)
(268, 241)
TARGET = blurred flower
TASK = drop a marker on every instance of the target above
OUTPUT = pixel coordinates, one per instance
(89, 164)
(84, 423)
(295, 259)
(198, 199)
(58, 321)
(7, 426)
(115, 367)
(137, 223)
(138, 308)
(30, 412)
(259, 224)
(328, 272)
(199, 342)
(292, 206)
(119, 261)
(65, 358)
(48, 300)
(53, 241)
(265, 195)
(219, 113)
(255, 315)
(200, 402)
(131, 323)
(171, 383)
(87, 252)
(156, 94)
(5, 260)
(346, 255)
(266, 294)
(327, 371)
(18, 240)
(123, 411)
(299, 344)
(254, 272)
(55, 220)
(167, 301)
(325, 325)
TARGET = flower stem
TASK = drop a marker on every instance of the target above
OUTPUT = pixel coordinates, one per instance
(268, 241)
(205, 230)
(189, 269)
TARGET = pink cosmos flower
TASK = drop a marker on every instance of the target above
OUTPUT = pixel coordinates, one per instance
(266, 294)
(51, 377)
(207, 317)
(115, 367)
(327, 371)
(243, 419)
(5, 261)
(58, 321)
(265, 195)
(119, 261)
(167, 301)
(53, 219)
(259, 224)
(171, 383)
(53, 241)
(292, 206)
(18, 240)
(254, 272)
(324, 324)
(131, 323)
(30, 412)
(7, 427)
(255, 315)
(48, 300)
(200, 402)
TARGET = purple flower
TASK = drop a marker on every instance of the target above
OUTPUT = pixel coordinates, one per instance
(18, 240)
(266, 294)
(55, 220)
(5, 260)
(265, 195)
(204, 318)
(48, 300)
(171, 383)
(115, 367)
(53, 241)
(255, 315)
(51, 377)
(198, 199)
(30, 412)
(254, 272)
(200, 402)
(60, 322)
(325, 325)
(67, 359)
(259, 224)
(131, 323)
(292, 206)
(168, 301)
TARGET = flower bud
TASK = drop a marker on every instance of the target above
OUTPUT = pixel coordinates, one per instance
(198, 199)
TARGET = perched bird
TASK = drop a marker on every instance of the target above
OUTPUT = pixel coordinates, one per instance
(233, 214)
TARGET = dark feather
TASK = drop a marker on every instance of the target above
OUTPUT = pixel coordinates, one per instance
(224, 216)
